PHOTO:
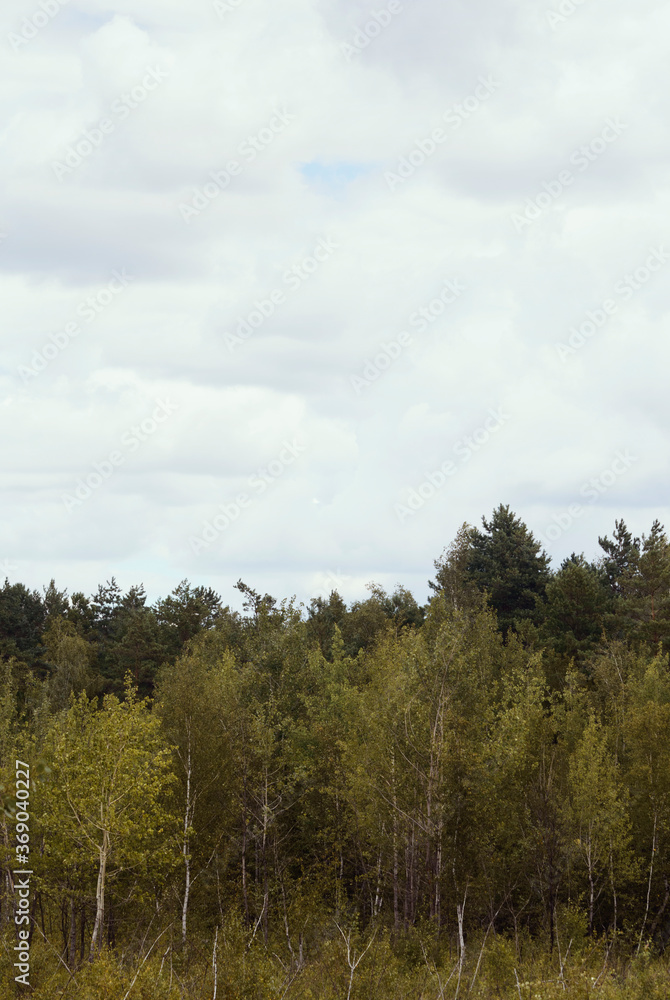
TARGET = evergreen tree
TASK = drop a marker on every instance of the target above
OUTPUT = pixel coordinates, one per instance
(82, 615)
(577, 601)
(186, 612)
(253, 602)
(22, 620)
(509, 564)
(106, 632)
(646, 589)
(621, 555)
(56, 602)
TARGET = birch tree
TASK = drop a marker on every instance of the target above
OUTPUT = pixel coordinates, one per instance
(597, 814)
(193, 704)
(103, 806)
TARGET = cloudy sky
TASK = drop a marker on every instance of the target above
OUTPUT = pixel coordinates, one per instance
(291, 290)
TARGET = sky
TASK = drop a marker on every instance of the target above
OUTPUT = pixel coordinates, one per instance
(290, 291)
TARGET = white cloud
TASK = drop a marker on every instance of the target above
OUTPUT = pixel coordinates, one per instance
(222, 78)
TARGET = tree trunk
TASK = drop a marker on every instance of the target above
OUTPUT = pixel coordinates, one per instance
(96, 937)
(591, 887)
(82, 937)
(651, 875)
(266, 890)
(396, 913)
(379, 895)
(666, 900)
(245, 823)
(188, 815)
(438, 877)
(460, 912)
(72, 939)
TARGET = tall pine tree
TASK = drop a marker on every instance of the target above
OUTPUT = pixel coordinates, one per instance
(510, 565)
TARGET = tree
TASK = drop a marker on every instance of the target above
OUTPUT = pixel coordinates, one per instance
(367, 620)
(577, 601)
(82, 615)
(322, 617)
(140, 648)
(621, 555)
(192, 706)
(509, 564)
(186, 612)
(105, 631)
(647, 724)
(400, 607)
(103, 806)
(545, 834)
(645, 589)
(327, 833)
(106, 603)
(22, 619)
(453, 578)
(517, 802)
(253, 602)
(597, 815)
(70, 658)
(56, 602)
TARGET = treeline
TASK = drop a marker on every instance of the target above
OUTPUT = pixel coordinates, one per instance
(246, 802)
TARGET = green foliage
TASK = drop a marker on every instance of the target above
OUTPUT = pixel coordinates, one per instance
(373, 800)
(508, 563)
(22, 619)
(101, 814)
(574, 614)
(452, 578)
(183, 614)
(70, 658)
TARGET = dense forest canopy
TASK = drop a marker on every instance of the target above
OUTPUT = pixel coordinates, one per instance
(431, 792)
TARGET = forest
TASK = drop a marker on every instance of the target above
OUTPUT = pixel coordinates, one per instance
(469, 798)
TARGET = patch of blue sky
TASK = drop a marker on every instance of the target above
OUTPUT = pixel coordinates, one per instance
(334, 178)
(82, 21)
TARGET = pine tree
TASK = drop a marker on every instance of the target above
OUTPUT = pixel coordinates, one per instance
(509, 564)
(622, 553)
(574, 614)
(646, 588)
